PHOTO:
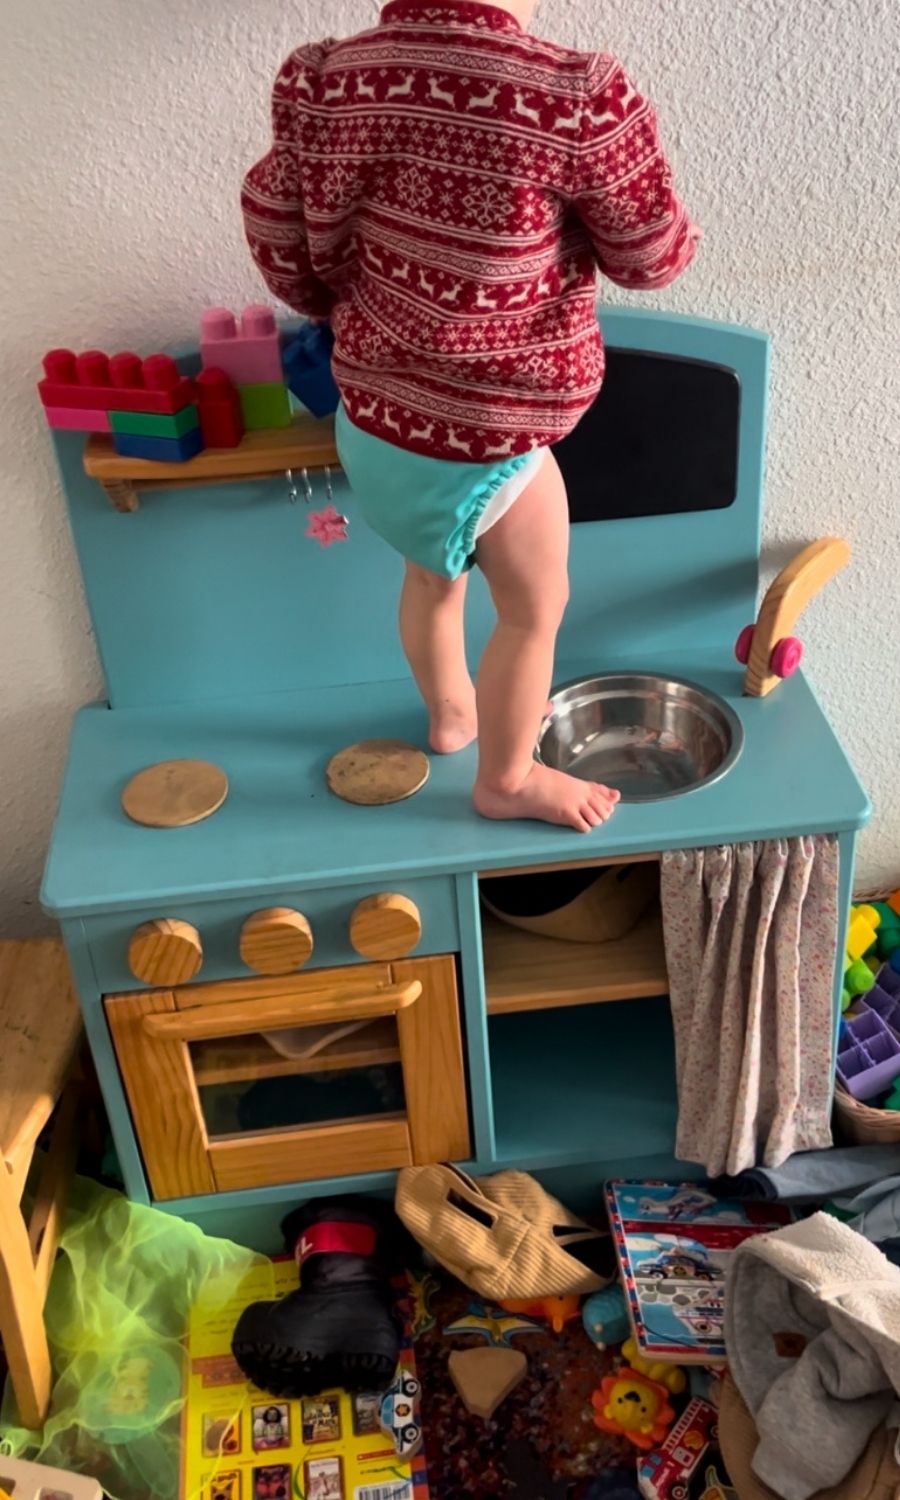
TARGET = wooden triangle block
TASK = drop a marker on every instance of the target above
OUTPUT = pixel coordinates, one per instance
(485, 1377)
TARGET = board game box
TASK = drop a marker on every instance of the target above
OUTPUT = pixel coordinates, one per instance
(240, 1444)
(673, 1242)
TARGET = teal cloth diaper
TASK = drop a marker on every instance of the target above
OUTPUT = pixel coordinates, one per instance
(428, 509)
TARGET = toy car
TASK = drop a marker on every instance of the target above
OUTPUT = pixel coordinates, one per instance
(680, 1263)
(399, 1415)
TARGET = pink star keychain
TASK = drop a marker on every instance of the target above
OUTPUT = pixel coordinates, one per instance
(327, 526)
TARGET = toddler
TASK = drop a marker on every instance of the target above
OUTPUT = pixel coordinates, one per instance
(444, 188)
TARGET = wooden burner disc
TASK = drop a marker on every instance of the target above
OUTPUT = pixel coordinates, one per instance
(374, 773)
(175, 793)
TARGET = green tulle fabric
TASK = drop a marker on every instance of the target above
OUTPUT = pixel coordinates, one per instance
(116, 1317)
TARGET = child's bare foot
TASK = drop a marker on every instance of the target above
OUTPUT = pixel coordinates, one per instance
(453, 726)
(551, 797)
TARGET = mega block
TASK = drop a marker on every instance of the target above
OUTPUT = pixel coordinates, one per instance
(219, 404)
(249, 354)
(94, 382)
(74, 419)
(146, 424)
(307, 369)
(265, 406)
(162, 450)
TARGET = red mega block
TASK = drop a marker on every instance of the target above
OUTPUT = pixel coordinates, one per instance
(94, 382)
(219, 405)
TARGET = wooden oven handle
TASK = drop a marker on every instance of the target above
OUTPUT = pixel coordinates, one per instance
(242, 1017)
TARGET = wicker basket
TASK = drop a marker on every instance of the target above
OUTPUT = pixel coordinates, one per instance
(858, 1124)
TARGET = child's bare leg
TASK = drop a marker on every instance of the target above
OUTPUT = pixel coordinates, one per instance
(524, 558)
(431, 629)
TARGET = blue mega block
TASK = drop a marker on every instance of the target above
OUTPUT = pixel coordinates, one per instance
(162, 450)
(307, 369)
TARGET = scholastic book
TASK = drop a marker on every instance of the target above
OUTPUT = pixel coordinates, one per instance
(673, 1242)
(241, 1444)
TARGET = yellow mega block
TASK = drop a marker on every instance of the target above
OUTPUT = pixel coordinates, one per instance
(861, 936)
(871, 914)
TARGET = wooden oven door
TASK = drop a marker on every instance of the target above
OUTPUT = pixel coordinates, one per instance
(255, 1082)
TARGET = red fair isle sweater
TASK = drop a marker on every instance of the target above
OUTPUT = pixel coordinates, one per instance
(444, 187)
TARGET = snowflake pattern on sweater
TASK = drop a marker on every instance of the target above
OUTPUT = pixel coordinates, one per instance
(445, 188)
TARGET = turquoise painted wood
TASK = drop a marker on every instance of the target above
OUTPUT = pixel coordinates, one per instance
(217, 594)
(225, 634)
(219, 923)
(281, 829)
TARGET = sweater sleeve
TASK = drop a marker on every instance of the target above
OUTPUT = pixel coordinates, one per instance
(623, 190)
(272, 202)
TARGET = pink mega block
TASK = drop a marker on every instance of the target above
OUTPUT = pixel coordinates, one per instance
(73, 420)
(249, 355)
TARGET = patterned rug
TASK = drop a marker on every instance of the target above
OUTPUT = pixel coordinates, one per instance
(542, 1443)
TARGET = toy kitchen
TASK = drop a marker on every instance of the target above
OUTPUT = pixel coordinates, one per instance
(290, 994)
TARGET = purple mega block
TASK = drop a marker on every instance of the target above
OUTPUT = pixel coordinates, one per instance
(889, 979)
(885, 1005)
(868, 1059)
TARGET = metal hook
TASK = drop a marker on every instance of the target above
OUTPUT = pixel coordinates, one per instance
(308, 494)
(329, 487)
(293, 492)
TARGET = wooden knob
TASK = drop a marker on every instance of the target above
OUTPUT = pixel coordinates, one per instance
(385, 926)
(165, 951)
(276, 941)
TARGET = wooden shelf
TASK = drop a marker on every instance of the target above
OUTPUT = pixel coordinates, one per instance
(308, 443)
(243, 1059)
(526, 972)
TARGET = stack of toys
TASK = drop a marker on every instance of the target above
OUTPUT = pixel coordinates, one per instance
(873, 939)
(248, 355)
(147, 406)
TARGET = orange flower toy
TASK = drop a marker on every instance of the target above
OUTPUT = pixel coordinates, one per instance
(633, 1407)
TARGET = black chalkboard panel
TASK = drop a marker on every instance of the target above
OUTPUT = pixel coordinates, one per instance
(661, 439)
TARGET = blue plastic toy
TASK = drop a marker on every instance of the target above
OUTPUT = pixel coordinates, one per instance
(605, 1317)
(307, 369)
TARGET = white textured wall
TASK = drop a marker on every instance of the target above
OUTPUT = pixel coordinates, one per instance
(125, 127)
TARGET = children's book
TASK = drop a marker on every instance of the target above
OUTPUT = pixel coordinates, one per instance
(673, 1242)
(238, 1443)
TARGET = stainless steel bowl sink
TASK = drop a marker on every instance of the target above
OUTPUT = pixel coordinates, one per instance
(651, 737)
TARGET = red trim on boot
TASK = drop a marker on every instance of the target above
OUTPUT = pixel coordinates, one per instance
(335, 1237)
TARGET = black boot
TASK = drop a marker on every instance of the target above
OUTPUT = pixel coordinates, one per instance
(339, 1328)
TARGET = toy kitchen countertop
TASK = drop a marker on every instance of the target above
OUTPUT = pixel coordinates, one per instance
(281, 829)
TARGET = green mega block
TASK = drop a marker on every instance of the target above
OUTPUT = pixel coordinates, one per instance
(265, 405)
(146, 424)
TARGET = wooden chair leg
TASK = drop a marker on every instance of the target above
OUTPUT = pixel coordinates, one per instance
(48, 1213)
(22, 1312)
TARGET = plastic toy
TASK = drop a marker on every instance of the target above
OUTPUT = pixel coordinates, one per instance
(307, 369)
(94, 382)
(605, 1317)
(491, 1325)
(485, 1377)
(398, 1416)
(633, 1407)
(339, 1328)
(868, 1055)
(249, 354)
(767, 648)
(893, 1099)
(159, 449)
(264, 406)
(73, 419)
(667, 1472)
(671, 1376)
(219, 406)
(865, 922)
(149, 424)
(557, 1311)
